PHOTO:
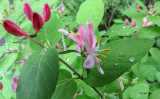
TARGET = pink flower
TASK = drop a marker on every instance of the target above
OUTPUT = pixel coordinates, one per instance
(79, 38)
(13, 29)
(133, 23)
(91, 46)
(46, 12)
(15, 83)
(145, 22)
(126, 22)
(1, 86)
(27, 11)
(37, 22)
(154, 11)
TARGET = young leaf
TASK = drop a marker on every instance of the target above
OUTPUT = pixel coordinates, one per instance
(124, 53)
(39, 76)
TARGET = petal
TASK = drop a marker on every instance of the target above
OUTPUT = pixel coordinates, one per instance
(27, 11)
(98, 66)
(78, 49)
(71, 36)
(90, 61)
(46, 12)
(89, 26)
(82, 32)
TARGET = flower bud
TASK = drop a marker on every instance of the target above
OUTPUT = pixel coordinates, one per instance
(148, 13)
(27, 11)
(63, 9)
(148, 24)
(1, 86)
(144, 20)
(57, 7)
(13, 29)
(138, 10)
(4, 11)
(137, 6)
(14, 84)
(126, 22)
(154, 11)
(37, 22)
(133, 23)
(12, 7)
(46, 12)
(150, 6)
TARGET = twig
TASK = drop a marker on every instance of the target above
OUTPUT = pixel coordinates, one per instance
(97, 92)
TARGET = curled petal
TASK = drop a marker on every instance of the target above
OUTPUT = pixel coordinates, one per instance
(149, 24)
(37, 22)
(98, 66)
(126, 22)
(144, 20)
(133, 23)
(13, 29)
(46, 12)
(71, 36)
(90, 61)
(27, 11)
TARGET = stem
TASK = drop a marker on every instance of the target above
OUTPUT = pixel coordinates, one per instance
(138, 31)
(97, 92)
(44, 38)
(37, 42)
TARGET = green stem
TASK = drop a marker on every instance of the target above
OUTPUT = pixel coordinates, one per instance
(44, 37)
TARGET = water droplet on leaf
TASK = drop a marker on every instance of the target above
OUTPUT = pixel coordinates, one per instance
(116, 64)
(67, 59)
(132, 59)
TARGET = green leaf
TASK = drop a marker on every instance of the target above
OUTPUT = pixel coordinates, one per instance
(139, 91)
(66, 87)
(155, 95)
(84, 97)
(155, 53)
(126, 93)
(158, 76)
(149, 32)
(39, 75)
(118, 21)
(91, 10)
(124, 53)
(154, 87)
(155, 20)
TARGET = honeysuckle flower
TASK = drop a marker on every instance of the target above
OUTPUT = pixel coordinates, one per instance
(79, 38)
(27, 11)
(37, 22)
(91, 46)
(126, 22)
(46, 12)
(1, 86)
(133, 23)
(14, 84)
(154, 11)
(13, 29)
(145, 22)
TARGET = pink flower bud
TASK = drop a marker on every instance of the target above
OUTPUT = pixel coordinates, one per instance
(57, 7)
(133, 23)
(46, 12)
(144, 20)
(12, 7)
(15, 79)
(154, 11)
(27, 11)
(137, 6)
(20, 0)
(63, 9)
(150, 6)
(138, 10)
(148, 24)
(76, 94)
(126, 22)
(1, 86)
(37, 22)
(148, 13)
(4, 11)
(13, 29)
(15, 83)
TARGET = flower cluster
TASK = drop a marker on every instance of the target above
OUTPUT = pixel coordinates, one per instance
(145, 22)
(149, 6)
(91, 45)
(34, 17)
(14, 84)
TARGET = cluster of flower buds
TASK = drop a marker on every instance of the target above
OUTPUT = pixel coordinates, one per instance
(62, 10)
(138, 8)
(14, 84)
(34, 17)
(145, 22)
(1, 86)
(150, 6)
(127, 22)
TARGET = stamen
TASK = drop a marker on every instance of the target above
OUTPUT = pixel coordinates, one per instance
(103, 56)
(100, 40)
(107, 49)
(99, 55)
(72, 32)
(96, 44)
(77, 34)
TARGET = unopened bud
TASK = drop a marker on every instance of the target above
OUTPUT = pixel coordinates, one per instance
(149, 24)
(154, 11)
(126, 22)
(138, 10)
(148, 13)
(27, 11)
(37, 22)
(13, 29)
(1, 86)
(46, 12)
(144, 20)
(133, 23)
(150, 6)
(138, 7)
(12, 7)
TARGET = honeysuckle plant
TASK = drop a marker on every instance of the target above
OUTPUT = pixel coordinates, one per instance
(79, 49)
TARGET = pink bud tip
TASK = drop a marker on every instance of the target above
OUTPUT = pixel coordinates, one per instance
(149, 24)
(148, 13)
(137, 6)
(138, 10)
(46, 12)
(144, 20)
(27, 11)
(126, 22)
(37, 22)
(133, 23)
(76, 94)
(12, 7)
(13, 29)
(1, 86)
(63, 9)
(154, 11)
